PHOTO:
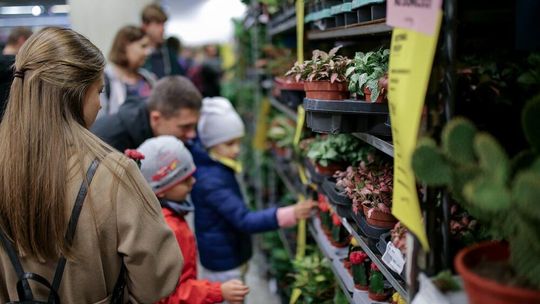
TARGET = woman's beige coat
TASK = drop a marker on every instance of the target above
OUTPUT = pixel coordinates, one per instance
(113, 224)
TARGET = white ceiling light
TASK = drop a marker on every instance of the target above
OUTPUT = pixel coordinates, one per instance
(16, 10)
(37, 10)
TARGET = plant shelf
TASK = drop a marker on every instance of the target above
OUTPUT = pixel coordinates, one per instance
(283, 27)
(346, 116)
(283, 108)
(367, 28)
(382, 145)
(398, 284)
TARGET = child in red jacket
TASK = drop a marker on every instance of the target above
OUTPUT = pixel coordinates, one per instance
(168, 167)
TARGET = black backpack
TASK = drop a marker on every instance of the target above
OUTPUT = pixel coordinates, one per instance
(23, 287)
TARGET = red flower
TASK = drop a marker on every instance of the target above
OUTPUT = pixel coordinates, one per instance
(323, 204)
(336, 220)
(374, 267)
(133, 154)
(357, 257)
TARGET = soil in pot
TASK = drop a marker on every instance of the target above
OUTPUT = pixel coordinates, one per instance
(326, 90)
(488, 278)
(379, 296)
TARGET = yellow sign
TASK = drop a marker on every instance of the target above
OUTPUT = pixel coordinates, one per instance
(259, 142)
(300, 118)
(411, 58)
(300, 30)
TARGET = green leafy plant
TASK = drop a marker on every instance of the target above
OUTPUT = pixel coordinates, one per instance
(499, 192)
(281, 131)
(322, 67)
(366, 71)
(337, 148)
(314, 278)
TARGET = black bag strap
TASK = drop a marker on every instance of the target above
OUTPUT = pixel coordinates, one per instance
(72, 225)
(23, 288)
(118, 291)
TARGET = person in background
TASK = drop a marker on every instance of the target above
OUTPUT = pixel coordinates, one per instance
(172, 109)
(15, 40)
(162, 61)
(125, 77)
(223, 223)
(211, 72)
(48, 157)
(168, 167)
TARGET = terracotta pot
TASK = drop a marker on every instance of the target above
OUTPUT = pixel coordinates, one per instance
(367, 94)
(379, 296)
(360, 287)
(326, 90)
(379, 219)
(330, 169)
(289, 84)
(482, 290)
(343, 244)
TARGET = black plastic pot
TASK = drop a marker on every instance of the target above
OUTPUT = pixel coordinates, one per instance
(371, 232)
(336, 196)
(292, 98)
(347, 116)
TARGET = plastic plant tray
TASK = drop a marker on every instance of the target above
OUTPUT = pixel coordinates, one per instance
(313, 175)
(346, 116)
(342, 202)
(371, 232)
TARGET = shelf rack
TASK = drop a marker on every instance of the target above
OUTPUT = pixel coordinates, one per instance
(371, 28)
(398, 286)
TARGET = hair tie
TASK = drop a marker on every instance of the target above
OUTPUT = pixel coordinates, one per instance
(19, 74)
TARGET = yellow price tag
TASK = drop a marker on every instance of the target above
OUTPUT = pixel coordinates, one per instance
(295, 295)
(411, 58)
(259, 142)
(300, 30)
(302, 174)
(300, 119)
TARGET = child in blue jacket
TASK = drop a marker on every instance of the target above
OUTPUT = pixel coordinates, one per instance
(223, 223)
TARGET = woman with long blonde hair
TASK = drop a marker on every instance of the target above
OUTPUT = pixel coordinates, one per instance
(65, 194)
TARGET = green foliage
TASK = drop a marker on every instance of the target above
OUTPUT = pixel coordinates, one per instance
(531, 123)
(366, 70)
(337, 148)
(430, 164)
(281, 131)
(376, 282)
(322, 67)
(457, 140)
(314, 277)
(503, 198)
(359, 274)
(446, 282)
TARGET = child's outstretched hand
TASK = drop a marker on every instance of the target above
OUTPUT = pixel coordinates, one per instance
(302, 210)
(234, 291)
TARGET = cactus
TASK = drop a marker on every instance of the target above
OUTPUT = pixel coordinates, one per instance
(457, 140)
(531, 123)
(430, 165)
(501, 194)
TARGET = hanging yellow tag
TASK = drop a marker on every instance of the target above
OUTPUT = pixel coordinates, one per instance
(300, 119)
(295, 295)
(259, 141)
(302, 174)
(300, 30)
(301, 235)
(411, 58)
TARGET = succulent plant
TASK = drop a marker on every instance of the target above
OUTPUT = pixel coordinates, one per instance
(479, 174)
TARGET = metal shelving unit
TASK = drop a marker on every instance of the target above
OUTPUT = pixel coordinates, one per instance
(377, 260)
(379, 144)
(371, 28)
(283, 27)
(283, 108)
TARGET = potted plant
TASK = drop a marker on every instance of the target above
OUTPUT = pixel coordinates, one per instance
(368, 75)
(324, 75)
(359, 269)
(314, 278)
(281, 135)
(502, 195)
(324, 213)
(377, 292)
(340, 237)
(333, 153)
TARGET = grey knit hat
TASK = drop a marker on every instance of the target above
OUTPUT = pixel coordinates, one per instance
(166, 163)
(219, 122)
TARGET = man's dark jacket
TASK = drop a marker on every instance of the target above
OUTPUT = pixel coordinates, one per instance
(126, 129)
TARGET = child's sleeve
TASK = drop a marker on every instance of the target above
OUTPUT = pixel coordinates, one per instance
(231, 206)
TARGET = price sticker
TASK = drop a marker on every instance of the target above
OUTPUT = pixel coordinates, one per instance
(393, 258)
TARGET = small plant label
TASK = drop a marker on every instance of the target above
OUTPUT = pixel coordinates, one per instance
(418, 15)
(393, 258)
